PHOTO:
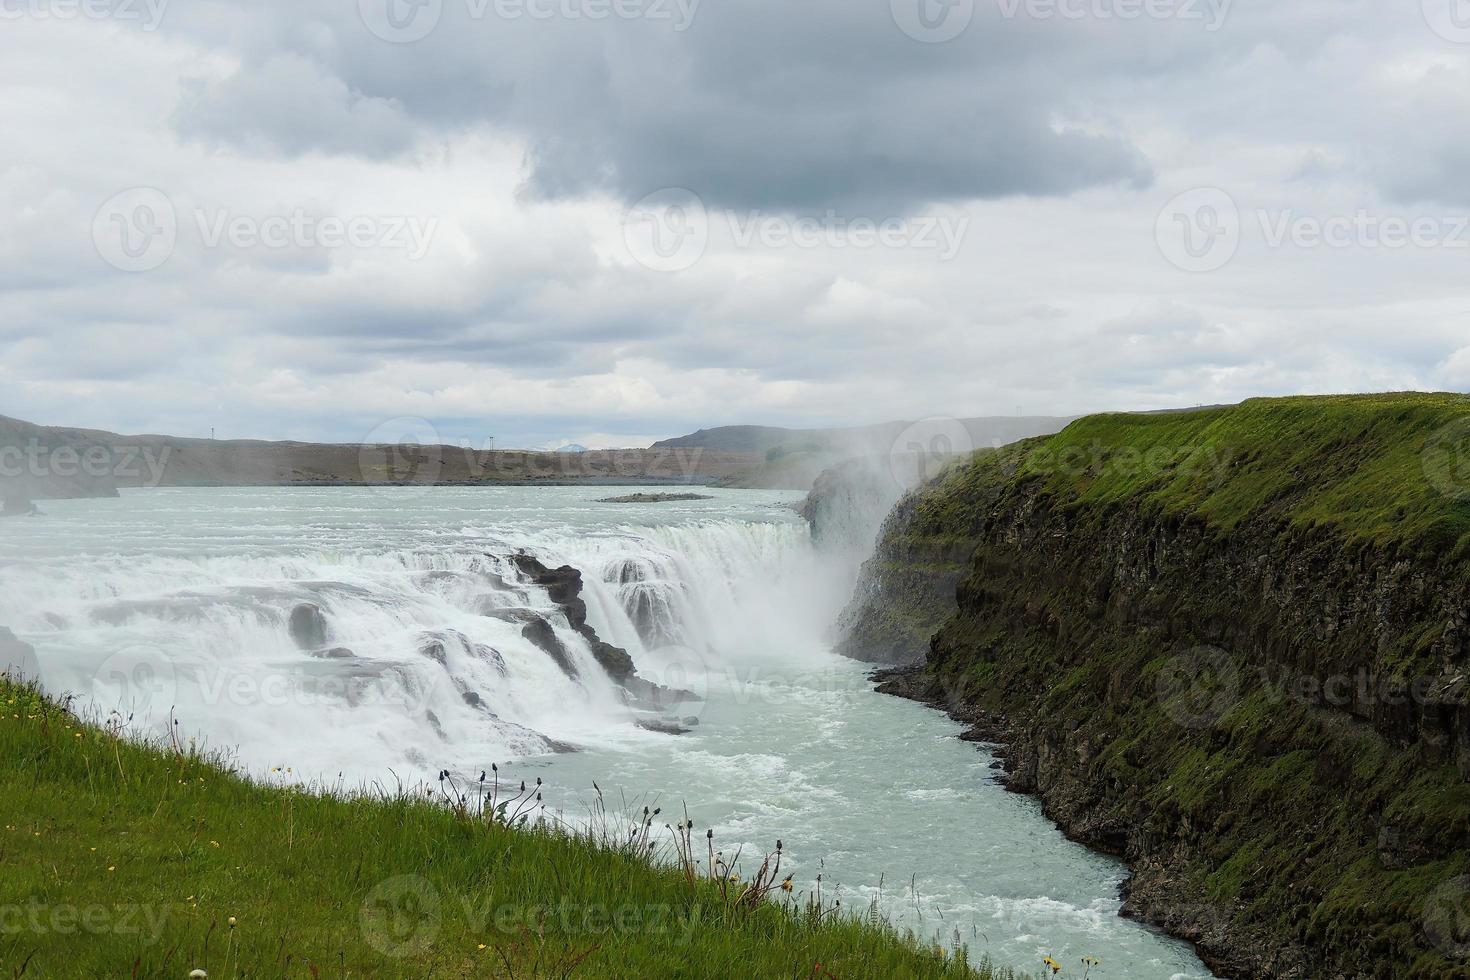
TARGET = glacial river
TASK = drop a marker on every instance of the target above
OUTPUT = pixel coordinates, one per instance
(178, 602)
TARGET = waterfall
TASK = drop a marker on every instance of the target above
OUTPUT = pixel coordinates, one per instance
(325, 659)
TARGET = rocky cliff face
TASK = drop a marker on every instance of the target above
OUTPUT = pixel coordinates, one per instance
(1256, 698)
(905, 592)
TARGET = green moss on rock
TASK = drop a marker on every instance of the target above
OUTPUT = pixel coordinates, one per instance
(1232, 645)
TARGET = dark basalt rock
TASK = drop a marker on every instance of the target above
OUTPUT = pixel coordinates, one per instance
(540, 634)
(1086, 640)
(308, 626)
(564, 587)
(335, 653)
(656, 697)
(510, 614)
(662, 727)
(437, 646)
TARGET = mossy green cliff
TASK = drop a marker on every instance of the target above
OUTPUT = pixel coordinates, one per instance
(1230, 645)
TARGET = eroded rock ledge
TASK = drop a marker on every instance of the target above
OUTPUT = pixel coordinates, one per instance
(564, 586)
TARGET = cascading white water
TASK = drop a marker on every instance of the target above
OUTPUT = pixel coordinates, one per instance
(184, 600)
(422, 662)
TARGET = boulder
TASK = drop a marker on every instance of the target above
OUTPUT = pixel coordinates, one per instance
(434, 650)
(662, 727)
(335, 653)
(18, 505)
(308, 626)
(540, 634)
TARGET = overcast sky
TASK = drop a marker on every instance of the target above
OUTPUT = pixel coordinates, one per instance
(611, 221)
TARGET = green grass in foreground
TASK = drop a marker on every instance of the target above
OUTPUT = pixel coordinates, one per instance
(119, 859)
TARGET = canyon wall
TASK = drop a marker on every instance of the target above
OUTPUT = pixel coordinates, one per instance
(1230, 646)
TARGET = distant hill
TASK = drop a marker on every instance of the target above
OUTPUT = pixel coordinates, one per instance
(792, 459)
(46, 462)
(739, 438)
(880, 439)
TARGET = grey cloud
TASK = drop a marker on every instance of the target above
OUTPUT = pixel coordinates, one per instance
(288, 104)
(759, 105)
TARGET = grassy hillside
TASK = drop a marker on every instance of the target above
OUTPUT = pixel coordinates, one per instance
(1390, 470)
(1231, 645)
(123, 860)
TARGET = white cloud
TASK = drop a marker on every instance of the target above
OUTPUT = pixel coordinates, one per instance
(520, 143)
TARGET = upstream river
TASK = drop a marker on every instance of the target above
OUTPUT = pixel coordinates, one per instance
(178, 603)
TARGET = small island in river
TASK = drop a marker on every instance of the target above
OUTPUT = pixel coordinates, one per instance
(654, 498)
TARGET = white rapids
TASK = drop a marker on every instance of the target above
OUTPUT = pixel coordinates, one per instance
(174, 608)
